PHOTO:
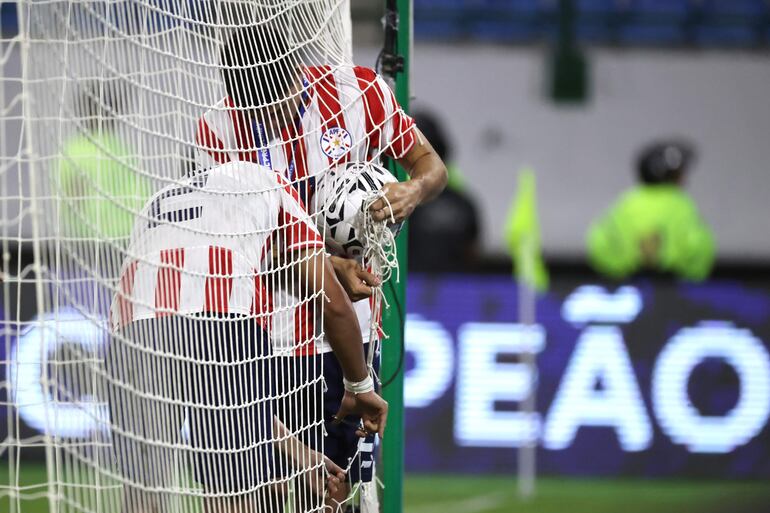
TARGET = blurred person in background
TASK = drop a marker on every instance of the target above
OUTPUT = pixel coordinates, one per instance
(656, 225)
(101, 190)
(443, 234)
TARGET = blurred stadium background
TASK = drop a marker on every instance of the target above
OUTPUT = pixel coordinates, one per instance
(652, 394)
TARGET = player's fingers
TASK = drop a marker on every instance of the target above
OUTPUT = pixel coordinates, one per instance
(377, 205)
(343, 412)
(367, 277)
(334, 469)
(333, 483)
(382, 214)
(401, 211)
(383, 421)
(358, 289)
(400, 208)
(371, 426)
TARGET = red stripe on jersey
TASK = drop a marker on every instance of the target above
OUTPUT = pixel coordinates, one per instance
(329, 107)
(262, 305)
(328, 99)
(208, 140)
(291, 191)
(304, 329)
(374, 105)
(296, 233)
(125, 305)
(263, 293)
(244, 137)
(377, 108)
(403, 137)
(219, 282)
(315, 73)
(376, 316)
(169, 282)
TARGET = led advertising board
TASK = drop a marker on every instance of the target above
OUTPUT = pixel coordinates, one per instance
(650, 378)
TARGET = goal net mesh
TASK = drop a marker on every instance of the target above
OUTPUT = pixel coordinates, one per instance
(158, 344)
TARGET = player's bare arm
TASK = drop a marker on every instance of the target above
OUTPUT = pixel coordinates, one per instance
(428, 178)
(304, 456)
(342, 330)
(356, 280)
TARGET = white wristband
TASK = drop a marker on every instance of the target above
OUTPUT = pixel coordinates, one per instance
(359, 387)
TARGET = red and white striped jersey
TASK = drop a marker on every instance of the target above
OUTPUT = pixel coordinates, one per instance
(205, 245)
(347, 114)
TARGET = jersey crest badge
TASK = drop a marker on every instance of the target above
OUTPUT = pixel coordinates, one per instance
(336, 142)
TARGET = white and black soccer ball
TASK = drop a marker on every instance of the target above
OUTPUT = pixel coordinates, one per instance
(338, 204)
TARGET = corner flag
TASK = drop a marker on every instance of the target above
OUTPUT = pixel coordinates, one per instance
(522, 234)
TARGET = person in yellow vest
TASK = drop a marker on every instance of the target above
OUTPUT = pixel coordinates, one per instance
(655, 226)
(100, 190)
(98, 182)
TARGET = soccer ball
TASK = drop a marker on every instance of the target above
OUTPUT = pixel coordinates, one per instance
(338, 204)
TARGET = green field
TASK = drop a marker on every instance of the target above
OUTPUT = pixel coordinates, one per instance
(480, 494)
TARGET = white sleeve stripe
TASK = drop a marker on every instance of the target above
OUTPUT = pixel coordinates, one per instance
(191, 295)
(352, 104)
(143, 294)
(221, 125)
(305, 245)
(390, 109)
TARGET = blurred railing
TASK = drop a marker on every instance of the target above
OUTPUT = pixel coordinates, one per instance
(669, 23)
(665, 23)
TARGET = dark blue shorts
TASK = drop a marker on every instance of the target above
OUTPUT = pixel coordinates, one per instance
(300, 392)
(195, 392)
(342, 445)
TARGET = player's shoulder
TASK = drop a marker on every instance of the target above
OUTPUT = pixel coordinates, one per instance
(344, 75)
(317, 73)
(220, 106)
(364, 73)
(217, 111)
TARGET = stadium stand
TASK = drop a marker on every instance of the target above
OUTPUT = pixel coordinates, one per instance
(670, 23)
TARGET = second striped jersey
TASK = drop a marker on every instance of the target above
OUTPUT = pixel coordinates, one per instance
(218, 242)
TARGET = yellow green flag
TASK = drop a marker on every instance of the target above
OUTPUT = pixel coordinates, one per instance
(522, 234)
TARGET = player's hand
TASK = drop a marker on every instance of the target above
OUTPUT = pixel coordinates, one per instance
(329, 478)
(335, 476)
(372, 409)
(403, 197)
(356, 281)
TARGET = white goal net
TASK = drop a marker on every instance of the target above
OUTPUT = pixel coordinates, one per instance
(160, 329)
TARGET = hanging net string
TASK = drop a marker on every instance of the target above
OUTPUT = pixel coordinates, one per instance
(380, 254)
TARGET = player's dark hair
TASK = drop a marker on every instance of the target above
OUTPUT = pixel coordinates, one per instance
(664, 162)
(257, 67)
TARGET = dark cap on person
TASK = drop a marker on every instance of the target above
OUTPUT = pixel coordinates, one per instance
(665, 161)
